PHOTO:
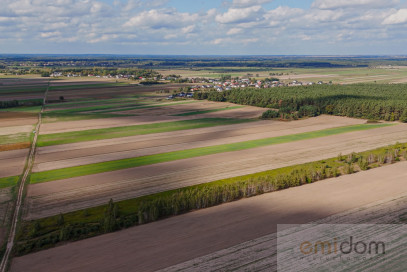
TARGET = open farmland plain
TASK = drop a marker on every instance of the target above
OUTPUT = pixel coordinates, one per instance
(16, 127)
(235, 236)
(103, 143)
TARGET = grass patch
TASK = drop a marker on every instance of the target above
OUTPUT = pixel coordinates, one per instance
(15, 138)
(46, 232)
(8, 181)
(185, 154)
(116, 132)
(207, 111)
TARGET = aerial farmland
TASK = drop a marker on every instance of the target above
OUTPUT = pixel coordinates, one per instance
(147, 172)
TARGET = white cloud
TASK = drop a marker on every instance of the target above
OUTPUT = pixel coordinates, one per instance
(399, 17)
(248, 3)
(73, 23)
(157, 19)
(240, 15)
(334, 4)
(234, 31)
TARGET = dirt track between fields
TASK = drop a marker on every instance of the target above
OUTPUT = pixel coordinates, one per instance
(51, 198)
(178, 239)
(54, 157)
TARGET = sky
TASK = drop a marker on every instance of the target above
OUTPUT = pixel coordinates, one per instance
(214, 27)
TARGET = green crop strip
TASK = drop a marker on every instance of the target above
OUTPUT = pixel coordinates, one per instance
(207, 111)
(8, 181)
(116, 132)
(144, 106)
(95, 168)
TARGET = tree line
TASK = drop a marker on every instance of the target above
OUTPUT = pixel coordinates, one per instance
(371, 101)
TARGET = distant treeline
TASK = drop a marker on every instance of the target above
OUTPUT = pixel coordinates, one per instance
(370, 101)
(144, 61)
(20, 103)
(97, 71)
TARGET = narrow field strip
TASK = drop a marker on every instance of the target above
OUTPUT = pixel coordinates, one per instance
(8, 181)
(116, 132)
(50, 118)
(89, 169)
(15, 146)
(32, 109)
(92, 101)
(26, 89)
(93, 108)
(112, 107)
(208, 111)
(144, 107)
(87, 86)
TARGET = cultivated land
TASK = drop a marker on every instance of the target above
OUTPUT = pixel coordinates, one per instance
(89, 152)
(50, 198)
(379, 74)
(16, 126)
(105, 140)
(361, 197)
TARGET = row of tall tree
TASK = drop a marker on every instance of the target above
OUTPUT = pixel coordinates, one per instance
(371, 101)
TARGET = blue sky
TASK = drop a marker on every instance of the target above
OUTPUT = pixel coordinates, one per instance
(215, 27)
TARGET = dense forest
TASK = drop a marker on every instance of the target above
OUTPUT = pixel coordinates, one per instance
(370, 101)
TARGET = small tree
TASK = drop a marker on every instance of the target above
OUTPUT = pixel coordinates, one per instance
(60, 220)
(403, 117)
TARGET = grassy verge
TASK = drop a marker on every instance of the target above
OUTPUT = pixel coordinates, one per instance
(185, 154)
(108, 133)
(208, 111)
(8, 181)
(47, 232)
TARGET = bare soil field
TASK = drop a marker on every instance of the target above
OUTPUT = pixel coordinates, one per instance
(22, 82)
(178, 239)
(12, 162)
(260, 254)
(15, 129)
(10, 119)
(54, 157)
(51, 198)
